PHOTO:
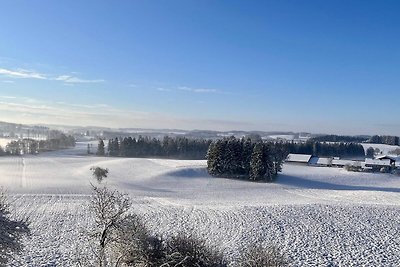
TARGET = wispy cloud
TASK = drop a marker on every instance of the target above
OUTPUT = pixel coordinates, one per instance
(190, 90)
(21, 73)
(162, 89)
(197, 90)
(8, 81)
(72, 79)
(29, 74)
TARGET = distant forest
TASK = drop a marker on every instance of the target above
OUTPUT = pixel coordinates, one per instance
(327, 149)
(168, 147)
(384, 139)
(192, 148)
(340, 138)
(376, 139)
(56, 141)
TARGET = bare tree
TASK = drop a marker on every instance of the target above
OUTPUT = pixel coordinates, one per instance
(119, 236)
(11, 231)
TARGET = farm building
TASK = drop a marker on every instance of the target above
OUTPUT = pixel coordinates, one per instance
(377, 163)
(320, 161)
(343, 162)
(298, 158)
(392, 159)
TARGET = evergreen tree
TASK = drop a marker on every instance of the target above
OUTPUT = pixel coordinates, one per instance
(247, 147)
(257, 164)
(215, 159)
(370, 152)
(100, 148)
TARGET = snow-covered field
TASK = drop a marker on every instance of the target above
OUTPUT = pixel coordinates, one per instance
(318, 216)
(385, 149)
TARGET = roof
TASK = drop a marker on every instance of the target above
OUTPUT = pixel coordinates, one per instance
(344, 162)
(393, 158)
(320, 161)
(304, 158)
(377, 162)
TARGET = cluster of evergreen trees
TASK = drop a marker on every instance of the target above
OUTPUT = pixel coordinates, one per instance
(340, 138)
(168, 147)
(327, 149)
(242, 158)
(384, 139)
(31, 146)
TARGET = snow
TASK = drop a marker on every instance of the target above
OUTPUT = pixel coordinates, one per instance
(385, 149)
(318, 216)
(5, 141)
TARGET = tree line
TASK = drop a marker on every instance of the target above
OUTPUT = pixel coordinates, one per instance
(168, 147)
(384, 139)
(326, 149)
(31, 146)
(242, 158)
(340, 138)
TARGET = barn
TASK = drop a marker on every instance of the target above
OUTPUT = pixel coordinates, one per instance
(299, 158)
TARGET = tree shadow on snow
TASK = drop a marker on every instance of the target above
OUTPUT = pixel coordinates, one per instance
(310, 184)
(189, 173)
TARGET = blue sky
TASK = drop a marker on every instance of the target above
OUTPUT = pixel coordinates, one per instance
(317, 66)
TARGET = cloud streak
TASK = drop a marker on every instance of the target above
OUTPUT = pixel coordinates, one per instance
(21, 73)
(197, 90)
(190, 90)
(71, 79)
(29, 74)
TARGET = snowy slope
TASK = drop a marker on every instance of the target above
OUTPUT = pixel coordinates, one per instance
(319, 216)
(385, 149)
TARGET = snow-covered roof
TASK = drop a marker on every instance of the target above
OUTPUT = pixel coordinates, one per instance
(344, 162)
(320, 161)
(377, 162)
(304, 158)
(394, 158)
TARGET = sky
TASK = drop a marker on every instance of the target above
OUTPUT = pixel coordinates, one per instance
(313, 66)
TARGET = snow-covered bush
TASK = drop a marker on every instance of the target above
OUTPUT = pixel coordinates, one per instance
(183, 250)
(263, 256)
(11, 232)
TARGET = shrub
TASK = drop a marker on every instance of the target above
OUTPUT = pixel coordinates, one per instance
(187, 251)
(11, 232)
(261, 256)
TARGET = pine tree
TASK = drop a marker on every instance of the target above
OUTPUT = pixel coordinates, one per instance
(257, 163)
(215, 158)
(100, 148)
(247, 147)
